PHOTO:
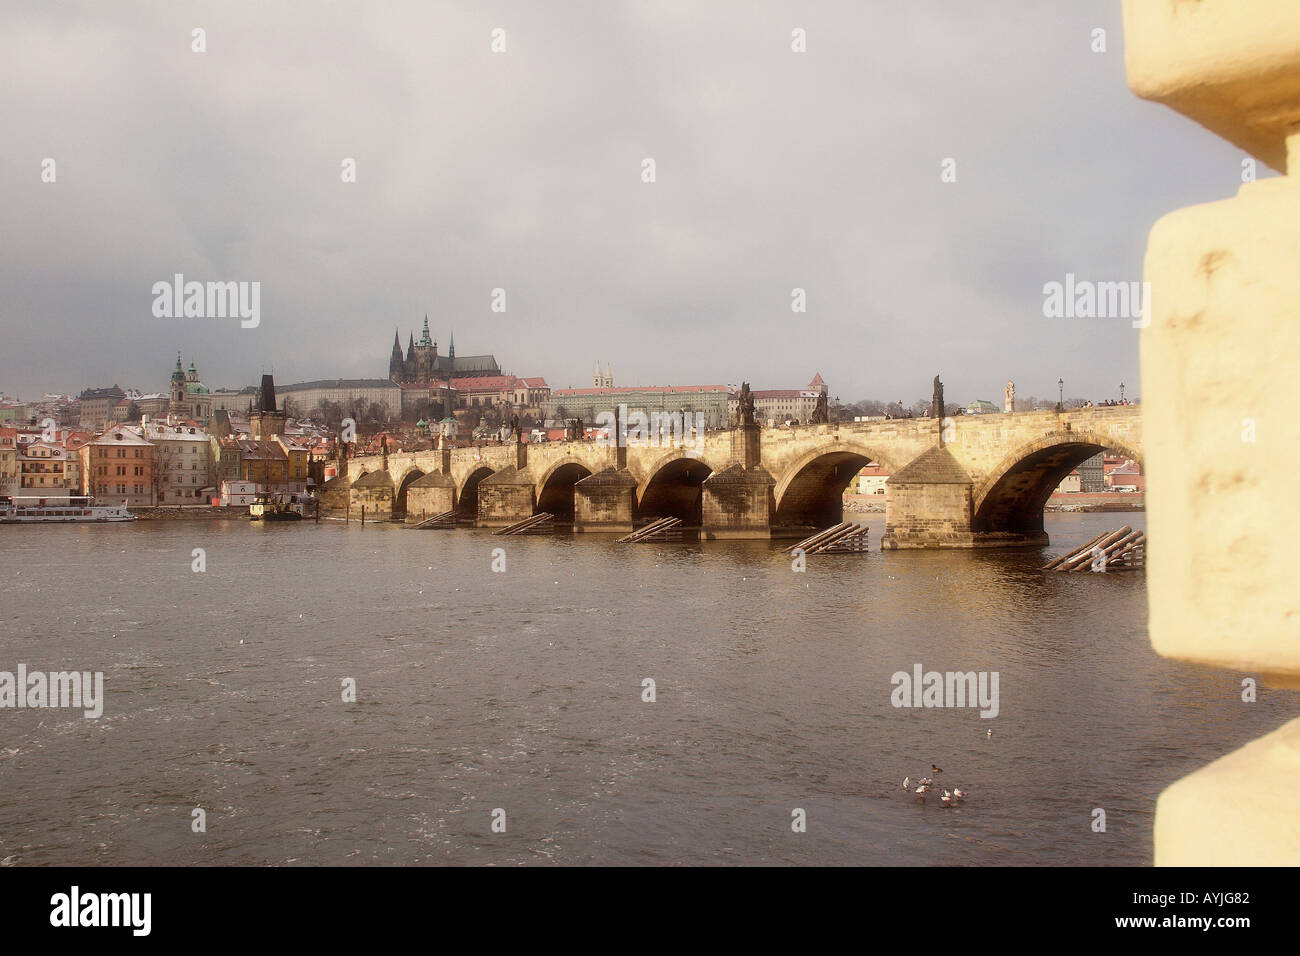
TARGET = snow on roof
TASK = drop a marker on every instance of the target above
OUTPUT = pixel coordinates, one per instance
(120, 436)
(159, 431)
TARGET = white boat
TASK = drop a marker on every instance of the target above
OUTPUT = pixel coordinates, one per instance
(22, 510)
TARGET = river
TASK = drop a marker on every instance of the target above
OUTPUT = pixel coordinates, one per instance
(521, 690)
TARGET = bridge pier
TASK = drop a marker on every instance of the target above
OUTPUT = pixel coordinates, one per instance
(505, 498)
(375, 493)
(931, 503)
(434, 494)
(737, 503)
(605, 501)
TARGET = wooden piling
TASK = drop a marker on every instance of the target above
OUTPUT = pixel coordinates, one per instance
(1073, 553)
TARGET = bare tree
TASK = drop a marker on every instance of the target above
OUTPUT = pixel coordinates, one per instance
(164, 456)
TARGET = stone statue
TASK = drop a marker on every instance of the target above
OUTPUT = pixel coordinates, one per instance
(936, 403)
(514, 427)
(819, 415)
(745, 405)
(1009, 405)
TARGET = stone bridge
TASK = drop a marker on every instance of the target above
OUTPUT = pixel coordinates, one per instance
(969, 481)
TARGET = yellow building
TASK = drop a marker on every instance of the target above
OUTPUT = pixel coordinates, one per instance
(42, 470)
(8, 461)
(263, 462)
(297, 455)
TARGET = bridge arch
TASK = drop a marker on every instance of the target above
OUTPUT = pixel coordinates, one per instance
(1012, 497)
(554, 493)
(411, 475)
(671, 488)
(467, 494)
(811, 491)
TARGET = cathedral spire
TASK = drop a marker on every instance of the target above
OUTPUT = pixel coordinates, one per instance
(451, 347)
(396, 365)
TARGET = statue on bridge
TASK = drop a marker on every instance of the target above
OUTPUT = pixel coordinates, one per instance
(820, 415)
(1009, 404)
(515, 430)
(745, 405)
(936, 402)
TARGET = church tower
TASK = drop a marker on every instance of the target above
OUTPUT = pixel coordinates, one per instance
(267, 421)
(176, 398)
(596, 380)
(423, 365)
(395, 364)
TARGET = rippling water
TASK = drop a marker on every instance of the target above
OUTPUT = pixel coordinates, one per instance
(522, 691)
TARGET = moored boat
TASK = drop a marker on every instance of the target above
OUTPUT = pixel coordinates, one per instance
(275, 508)
(16, 509)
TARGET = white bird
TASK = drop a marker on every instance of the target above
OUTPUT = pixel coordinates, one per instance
(990, 733)
(921, 791)
(959, 793)
(907, 782)
(946, 798)
(926, 781)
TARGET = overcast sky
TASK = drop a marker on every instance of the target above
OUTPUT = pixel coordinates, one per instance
(523, 170)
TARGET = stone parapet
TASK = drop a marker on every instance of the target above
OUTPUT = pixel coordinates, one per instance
(1222, 339)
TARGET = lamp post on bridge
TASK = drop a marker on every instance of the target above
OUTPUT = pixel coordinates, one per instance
(1121, 393)
(1060, 394)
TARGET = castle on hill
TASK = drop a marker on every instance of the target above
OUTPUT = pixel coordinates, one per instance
(423, 364)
